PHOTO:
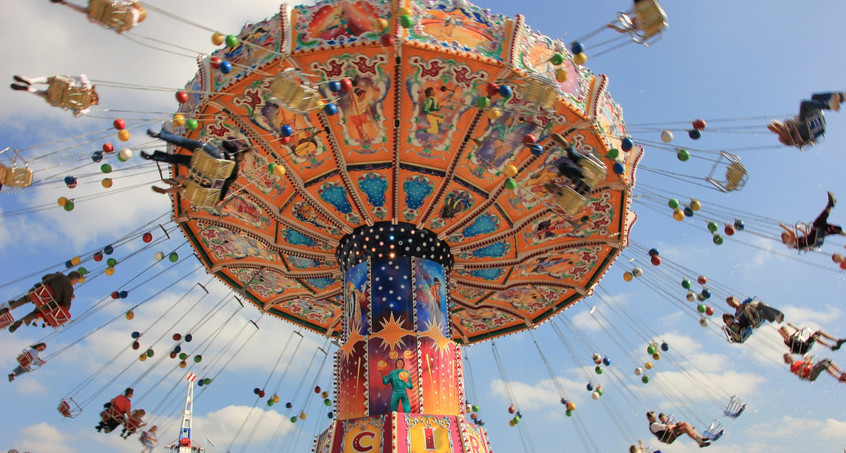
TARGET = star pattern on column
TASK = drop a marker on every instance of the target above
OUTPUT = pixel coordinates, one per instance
(392, 332)
(433, 331)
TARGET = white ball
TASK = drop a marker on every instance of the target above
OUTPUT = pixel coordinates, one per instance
(159, 256)
(637, 272)
(638, 371)
(666, 136)
(691, 296)
(703, 321)
(124, 154)
(595, 395)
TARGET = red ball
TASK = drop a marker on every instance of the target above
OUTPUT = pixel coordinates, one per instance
(528, 139)
(709, 311)
(136, 345)
(98, 256)
(699, 125)
(177, 337)
(492, 89)
(511, 409)
(147, 237)
(261, 393)
(729, 230)
(115, 295)
(108, 148)
(119, 124)
(317, 389)
(702, 279)
(172, 354)
(215, 62)
(181, 97)
(387, 40)
(656, 260)
(346, 84)
(185, 442)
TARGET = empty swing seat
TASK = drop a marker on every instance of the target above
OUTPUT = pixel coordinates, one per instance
(651, 18)
(111, 13)
(295, 95)
(68, 408)
(15, 177)
(540, 92)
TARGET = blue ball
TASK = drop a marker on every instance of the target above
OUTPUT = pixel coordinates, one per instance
(536, 149)
(505, 91)
(563, 401)
(606, 361)
(619, 168)
(177, 349)
(330, 414)
(136, 334)
(665, 347)
(688, 212)
(200, 383)
(68, 264)
(124, 294)
(653, 252)
(706, 293)
(108, 250)
(225, 67)
(330, 109)
(69, 180)
(334, 86)
(576, 47)
(97, 156)
(286, 130)
(589, 387)
(738, 225)
(188, 338)
(627, 144)
(694, 134)
(289, 405)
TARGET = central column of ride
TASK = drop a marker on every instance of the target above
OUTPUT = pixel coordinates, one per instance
(399, 384)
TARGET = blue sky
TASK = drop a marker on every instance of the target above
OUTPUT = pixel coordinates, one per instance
(719, 60)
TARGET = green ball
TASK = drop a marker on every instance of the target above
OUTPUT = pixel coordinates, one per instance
(173, 257)
(718, 239)
(150, 352)
(557, 59)
(483, 102)
(327, 402)
(475, 408)
(198, 358)
(231, 40)
(183, 356)
(569, 413)
(613, 153)
(701, 308)
(69, 206)
(192, 124)
(673, 203)
(650, 350)
(207, 381)
(712, 226)
(294, 419)
(111, 262)
(406, 21)
(683, 154)
(106, 168)
(82, 271)
(598, 369)
(686, 284)
(270, 402)
(510, 184)
(271, 166)
(645, 379)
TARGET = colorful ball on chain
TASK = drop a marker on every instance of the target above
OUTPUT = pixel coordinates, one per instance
(123, 135)
(683, 155)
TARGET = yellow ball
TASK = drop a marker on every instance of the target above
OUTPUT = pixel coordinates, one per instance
(279, 170)
(217, 39)
(695, 205)
(75, 261)
(561, 75)
(494, 114)
(627, 276)
(403, 375)
(178, 120)
(656, 356)
(381, 24)
(107, 182)
(580, 58)
(110, 270)
(302, 415)
(130, 314)
(510, 171)
(81, 279)
(123, 135)
(63, 201)
(678, 214)
(648, 365)
(142, 357)
(183, 364)
(571, 406)
(404, 11)
(275, 398)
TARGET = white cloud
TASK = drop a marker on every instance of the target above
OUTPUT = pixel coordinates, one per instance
(44, 438)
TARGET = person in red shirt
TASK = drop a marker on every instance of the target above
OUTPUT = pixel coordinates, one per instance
(808, 370)
(116, 411)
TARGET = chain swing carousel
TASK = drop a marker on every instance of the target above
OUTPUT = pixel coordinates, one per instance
(418, 176)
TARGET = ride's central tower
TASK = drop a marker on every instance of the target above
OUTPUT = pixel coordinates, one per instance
(398, 373)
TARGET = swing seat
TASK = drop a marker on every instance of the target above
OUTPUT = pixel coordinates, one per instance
(714, 432)
(205, 166)
(15, 177)
(651, 19)
(744, 335)
(112, 14)
(734, 408)
(593, 172)
(68, 408)
(200, 196)
(25, 360)
(295, 95)
(132, 424)
(6, 320)
(111, 414)
(540, 92)
(49, 310)
(566, 197)
(64, 93)
(736, 174)
(814, 126)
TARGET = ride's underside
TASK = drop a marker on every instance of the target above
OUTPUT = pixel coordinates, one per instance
(411, 142)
